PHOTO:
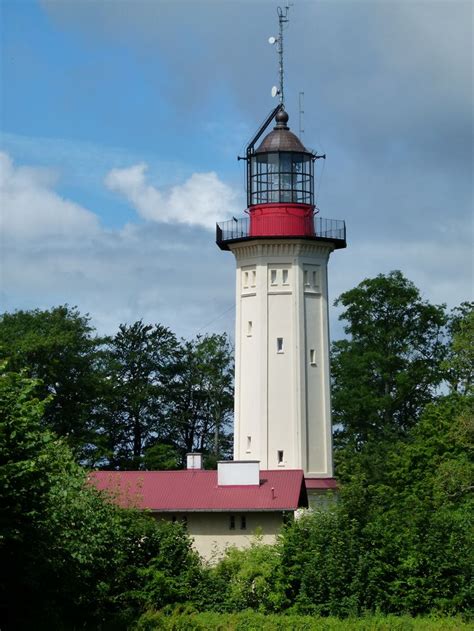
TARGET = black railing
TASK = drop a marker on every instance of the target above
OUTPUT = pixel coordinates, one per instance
(239, 229)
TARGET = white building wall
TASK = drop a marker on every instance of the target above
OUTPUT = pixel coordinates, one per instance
(282, 397)
(211, 533)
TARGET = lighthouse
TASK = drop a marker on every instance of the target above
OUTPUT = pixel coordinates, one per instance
(282, 408)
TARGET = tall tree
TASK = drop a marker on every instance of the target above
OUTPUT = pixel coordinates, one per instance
(200, 398)
(390, 366)
(140, 362)
(458, 365)
(58, 347)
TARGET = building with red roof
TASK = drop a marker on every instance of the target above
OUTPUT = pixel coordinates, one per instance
(218, 509)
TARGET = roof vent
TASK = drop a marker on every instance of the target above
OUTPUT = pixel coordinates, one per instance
(194, 461)
(238, 473)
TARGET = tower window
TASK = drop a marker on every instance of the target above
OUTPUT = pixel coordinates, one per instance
(249, 443)
(231, 522)
(285, 276)
(279, 345)
(273, 277)
(246, 279)
(249, 328)
(243, 522)
(254, 278)
(312, 357)
(280, 456)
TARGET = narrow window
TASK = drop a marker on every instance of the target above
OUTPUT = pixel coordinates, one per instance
(279, 345)
(254, 278)
(243, 522)
(315, 279)
(306, 278)
(249, 328)
(285, 276)
(280, 456)
(246, 279)
(312, 357)
(273, 276)
(231, 522)
(249, 443)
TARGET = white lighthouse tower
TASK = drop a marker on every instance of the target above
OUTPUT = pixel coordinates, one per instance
(282, 380)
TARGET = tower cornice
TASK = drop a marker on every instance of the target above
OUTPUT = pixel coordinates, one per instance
(293, 248)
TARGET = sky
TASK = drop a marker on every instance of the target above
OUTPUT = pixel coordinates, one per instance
(121, 122)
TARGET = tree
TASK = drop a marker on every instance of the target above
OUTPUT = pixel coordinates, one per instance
(140, 364)
(78, 560)
(390, 367)
(200, 397)
(458, 365)
(58, 347)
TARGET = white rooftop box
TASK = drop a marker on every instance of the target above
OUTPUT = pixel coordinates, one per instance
(238, 472)
(194, 461)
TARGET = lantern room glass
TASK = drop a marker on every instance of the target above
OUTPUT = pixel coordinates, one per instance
(280, 177)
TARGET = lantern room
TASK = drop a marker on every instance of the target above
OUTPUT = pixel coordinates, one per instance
(281, 169)
(280, 184)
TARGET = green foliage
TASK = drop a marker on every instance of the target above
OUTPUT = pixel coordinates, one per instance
(138, 399)
(458, 366)
(247, 578)
(57, 348)
(189, 620)
(139, 363)
(390, 367)
(75, 558)
(200, 397)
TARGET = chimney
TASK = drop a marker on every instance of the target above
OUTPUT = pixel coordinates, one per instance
(238, 472)
(194, 461)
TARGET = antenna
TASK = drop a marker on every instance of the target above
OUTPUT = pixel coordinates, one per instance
(301, 104)
(282, 19)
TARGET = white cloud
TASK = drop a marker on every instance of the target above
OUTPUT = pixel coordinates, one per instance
(29, 208)
(200, 201)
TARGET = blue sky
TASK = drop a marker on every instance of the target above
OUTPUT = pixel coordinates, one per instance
(121, 122)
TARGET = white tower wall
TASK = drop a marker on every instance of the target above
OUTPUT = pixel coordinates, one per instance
(282, 390)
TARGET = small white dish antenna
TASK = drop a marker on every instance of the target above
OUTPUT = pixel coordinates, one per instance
(275, 91)
(272, 40)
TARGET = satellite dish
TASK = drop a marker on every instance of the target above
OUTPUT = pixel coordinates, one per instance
(272, 40)
(275, 91)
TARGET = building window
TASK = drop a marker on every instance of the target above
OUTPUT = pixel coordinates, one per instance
(246, 279)
(231, 522)
(249, 443)
(315, 279)
(273, 276)
(243, 522)
(306, 278)
(254, 278)
(285, 276)
(312, 357)
(279, 345)
(249, 328)
(280, 456)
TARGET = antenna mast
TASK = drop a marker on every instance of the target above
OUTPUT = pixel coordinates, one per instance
(301, 104)
(282, 19)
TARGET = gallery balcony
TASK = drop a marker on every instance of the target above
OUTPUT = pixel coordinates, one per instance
(320, 229)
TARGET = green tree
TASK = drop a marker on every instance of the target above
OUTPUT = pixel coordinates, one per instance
(74, 557)
(140, 364)
(390, 366)
(58, 347)
(458, 366)
(200, 397)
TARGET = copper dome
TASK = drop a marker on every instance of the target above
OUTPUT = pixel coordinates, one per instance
(281, 138)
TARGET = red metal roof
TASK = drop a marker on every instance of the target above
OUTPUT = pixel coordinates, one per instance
(197, 490)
